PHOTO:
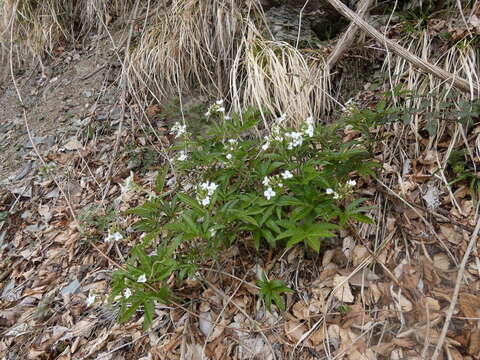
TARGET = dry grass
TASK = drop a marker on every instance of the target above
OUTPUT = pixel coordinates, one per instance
(222, 49)
(35, 28)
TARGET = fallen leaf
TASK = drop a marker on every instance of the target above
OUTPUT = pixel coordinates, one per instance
(342, 289)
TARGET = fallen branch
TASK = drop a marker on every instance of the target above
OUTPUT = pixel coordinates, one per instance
(348, 36)
(459, 83)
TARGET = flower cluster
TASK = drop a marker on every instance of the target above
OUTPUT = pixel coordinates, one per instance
(293, 139)
(349, 108)
(344, 190)
(205, 191)
(230, 147)
(127, 293)
(113, 237)
(215, 108)
(182, 156)
(275, 182)
(178, 129)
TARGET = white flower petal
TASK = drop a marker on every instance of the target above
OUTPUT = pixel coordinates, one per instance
(142, 278)
(127, 293)
(90, 300)
(287, 175)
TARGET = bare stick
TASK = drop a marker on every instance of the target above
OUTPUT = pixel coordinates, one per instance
(461, 84)
(453, 302)
(348, 36)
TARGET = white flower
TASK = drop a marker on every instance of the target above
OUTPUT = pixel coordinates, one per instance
(178, 129)
(182, 156)
(212, 232)
(113, 237)
(205, 201)
(208, 113)
(219, 102)
(296, 139)
(309, 131)
(351, 183)
(280, 185)
(233, 141)
(127, 293)
(287, 175)
(90, 300)
(229, 156)
(336, 196)
(266, 181)
(329, 191)
(269, 193)
(210, 187)
(221, 109)
(266, 146)
(142, 278)
(226, 117)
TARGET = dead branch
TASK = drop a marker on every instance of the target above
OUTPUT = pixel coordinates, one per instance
(348, 36)
(459, 83)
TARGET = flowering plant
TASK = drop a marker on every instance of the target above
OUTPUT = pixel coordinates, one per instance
(298, 185)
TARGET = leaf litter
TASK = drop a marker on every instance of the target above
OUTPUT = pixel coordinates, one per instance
(381, 292)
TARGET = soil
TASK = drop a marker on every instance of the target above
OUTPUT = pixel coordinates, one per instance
(72, 91)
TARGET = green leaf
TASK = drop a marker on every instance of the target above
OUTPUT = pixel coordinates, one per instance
(278, 301)
(321, 230)
(241, 215)
(149, 311)
(160, 179)
(314, 243)
(290, 232)
(188, 200)
(128, 311)
(362, 218)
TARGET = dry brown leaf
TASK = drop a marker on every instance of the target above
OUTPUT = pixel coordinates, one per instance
(342, 289)
(359, 254)
(469, 305)
(432, 304)
(406, 343)
(295, 330)
(301, 310)
(474, 343)
(441, 262)
(451, 235)
(384, 349)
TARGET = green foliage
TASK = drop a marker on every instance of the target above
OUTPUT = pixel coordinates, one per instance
(464, 171)
(270, 290)
(296, 186)
(96, 221)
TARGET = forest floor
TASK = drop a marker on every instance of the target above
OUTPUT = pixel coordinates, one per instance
(349, 302)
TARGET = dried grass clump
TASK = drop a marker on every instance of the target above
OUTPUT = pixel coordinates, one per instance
(282, 79)
(37, 26)
(189, 45)
(461, 59)
(222, 48)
